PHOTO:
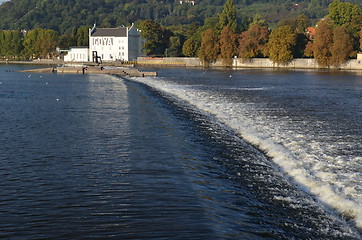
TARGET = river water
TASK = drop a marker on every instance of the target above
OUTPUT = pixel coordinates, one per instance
(190, 154)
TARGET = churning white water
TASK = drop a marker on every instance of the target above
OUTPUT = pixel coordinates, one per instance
(302, 136)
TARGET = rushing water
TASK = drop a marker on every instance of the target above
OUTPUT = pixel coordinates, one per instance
(191, 154)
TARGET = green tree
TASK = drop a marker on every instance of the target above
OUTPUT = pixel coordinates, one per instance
(11, 44)
(82, 36)
(40, 43)
(281, 43)
(209, 48)
(253, 42)
(30, 40)
(46, 43)
(228, 46)
(322, 44)
(190, 48)
(211, 22)
(343, 12)
(342, 46)
(6, 45)
(299, 23)
(175, 48)
(228, 16)
(258, 20)
(300, 46)
(17, 43)
(65, 41)
(302, 23)
(156, 36)
(2, 43)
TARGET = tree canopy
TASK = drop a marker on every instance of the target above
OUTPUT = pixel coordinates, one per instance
(281, 43)
(64, 15)
(190, 48)
(228, 45)
(156, 37)
(323, 43)
(228, 16)
(343, 12)
(331, 47)
(209, 48)
(341, 47)
(253, 42)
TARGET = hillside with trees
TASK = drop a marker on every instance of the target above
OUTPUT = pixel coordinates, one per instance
(65, 15)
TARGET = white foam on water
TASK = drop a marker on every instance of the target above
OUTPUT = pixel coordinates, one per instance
(336, 181)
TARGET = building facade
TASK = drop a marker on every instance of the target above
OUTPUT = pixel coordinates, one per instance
(114, 44)
(77, 54)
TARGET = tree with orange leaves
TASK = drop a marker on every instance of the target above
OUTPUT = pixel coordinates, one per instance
(209, 47)
(228, 46)
(253, 42)
(342, 46)
(322, 44)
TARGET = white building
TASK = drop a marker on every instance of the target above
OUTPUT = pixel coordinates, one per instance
(114, 44)
(187, 1)
(77, 54)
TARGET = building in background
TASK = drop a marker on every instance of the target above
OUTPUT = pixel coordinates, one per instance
(77, 54)
(108, 44)
(115, 44)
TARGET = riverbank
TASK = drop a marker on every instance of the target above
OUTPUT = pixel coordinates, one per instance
(238, 63)
(298, 63)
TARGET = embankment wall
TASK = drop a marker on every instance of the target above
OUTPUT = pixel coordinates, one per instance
(353, 64)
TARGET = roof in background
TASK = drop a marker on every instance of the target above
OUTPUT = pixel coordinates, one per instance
(110, 32)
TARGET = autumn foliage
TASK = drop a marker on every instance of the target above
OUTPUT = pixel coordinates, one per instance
(209, 47)
(335, 39)
(331, 47)
(323, 43)
(253, 42)
(228, 46)
(341, 47)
